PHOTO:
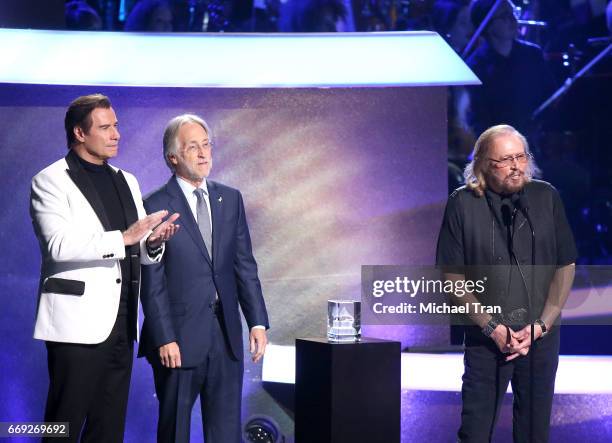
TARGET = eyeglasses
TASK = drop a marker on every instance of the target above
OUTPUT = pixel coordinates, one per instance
(506, 162)
(204, 146)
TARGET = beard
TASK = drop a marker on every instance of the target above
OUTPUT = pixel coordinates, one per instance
(195, 174)
(513, 182)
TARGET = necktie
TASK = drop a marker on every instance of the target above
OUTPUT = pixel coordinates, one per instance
(204, 220)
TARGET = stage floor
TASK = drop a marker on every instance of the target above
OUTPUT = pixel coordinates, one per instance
(434, 416)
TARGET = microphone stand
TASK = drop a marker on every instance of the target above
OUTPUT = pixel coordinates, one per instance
(570, 82)
(480, 29)
(525, 210)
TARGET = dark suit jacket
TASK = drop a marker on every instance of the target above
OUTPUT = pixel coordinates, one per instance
(178, 293)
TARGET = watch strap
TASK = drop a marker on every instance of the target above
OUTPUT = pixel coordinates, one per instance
(542, 325)
(490, 327)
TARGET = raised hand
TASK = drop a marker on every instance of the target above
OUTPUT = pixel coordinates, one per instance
(140, 228)
(163, 232)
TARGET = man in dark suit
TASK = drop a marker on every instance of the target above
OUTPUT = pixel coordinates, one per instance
(192, 333)
(93, 234)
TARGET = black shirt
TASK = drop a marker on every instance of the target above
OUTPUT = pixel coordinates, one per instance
(100, 176)
(486, 236)
(512, 88)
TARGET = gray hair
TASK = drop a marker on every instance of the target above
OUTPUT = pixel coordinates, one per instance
(474, 171)
(171, 134)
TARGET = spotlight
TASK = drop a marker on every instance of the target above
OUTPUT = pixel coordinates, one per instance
(261, 429)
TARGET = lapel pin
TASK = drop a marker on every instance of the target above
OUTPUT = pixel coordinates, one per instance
(220, 199)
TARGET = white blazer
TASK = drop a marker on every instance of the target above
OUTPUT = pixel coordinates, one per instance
(80, 283)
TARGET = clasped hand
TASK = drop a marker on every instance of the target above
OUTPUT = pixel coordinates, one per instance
(519, 341)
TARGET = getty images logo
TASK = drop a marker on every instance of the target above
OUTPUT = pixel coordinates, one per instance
(412, 287)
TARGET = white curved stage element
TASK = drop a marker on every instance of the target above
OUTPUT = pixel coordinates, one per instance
(230, 60)
(577, 374)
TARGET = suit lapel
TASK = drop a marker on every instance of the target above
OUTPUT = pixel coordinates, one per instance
(179, 204)
(127, 202)
(81, 180)
(125, 196)
(216, 207)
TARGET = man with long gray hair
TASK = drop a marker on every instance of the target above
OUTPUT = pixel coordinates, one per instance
(510, 230)
(192, 333)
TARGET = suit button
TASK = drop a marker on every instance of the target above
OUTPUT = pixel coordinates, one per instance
(118, 280)
(111, 255)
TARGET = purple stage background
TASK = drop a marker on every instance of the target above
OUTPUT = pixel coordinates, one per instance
(332, 179)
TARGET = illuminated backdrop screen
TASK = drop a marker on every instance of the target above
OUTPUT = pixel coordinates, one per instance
(332, 179)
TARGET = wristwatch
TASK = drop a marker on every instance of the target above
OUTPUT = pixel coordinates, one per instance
(153, 252)
(542, 325)
(490, 327)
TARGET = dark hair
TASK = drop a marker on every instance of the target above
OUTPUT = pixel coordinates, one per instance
(445, 13)
(139, 17)
(309, 15)
(479, 10)
(79, 114)
(81, 17)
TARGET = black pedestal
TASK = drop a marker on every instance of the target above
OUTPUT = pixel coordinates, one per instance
(347, 392)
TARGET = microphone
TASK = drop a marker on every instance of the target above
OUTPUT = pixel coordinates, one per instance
(506, 213)
(522, 204)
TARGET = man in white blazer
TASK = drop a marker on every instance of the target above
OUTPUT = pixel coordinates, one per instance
(93, 233)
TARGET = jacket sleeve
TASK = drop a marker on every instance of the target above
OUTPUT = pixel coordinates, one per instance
(156, 303)
(250, 294)
(450, 249)
(145, 258)
(62, 237)
(564, 239)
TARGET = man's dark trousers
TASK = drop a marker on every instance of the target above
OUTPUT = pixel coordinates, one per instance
(93, 383)
(486, 379)
(218, 381)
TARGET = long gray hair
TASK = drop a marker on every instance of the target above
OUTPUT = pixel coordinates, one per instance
(474, 173)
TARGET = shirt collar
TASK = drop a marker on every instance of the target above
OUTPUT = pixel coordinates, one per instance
(188, 188)
(92, 166)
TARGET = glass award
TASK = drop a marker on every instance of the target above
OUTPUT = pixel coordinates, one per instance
(343, 321)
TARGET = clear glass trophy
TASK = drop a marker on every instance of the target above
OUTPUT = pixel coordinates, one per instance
(343, 321)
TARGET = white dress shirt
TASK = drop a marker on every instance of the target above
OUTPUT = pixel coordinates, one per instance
(188, 189)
